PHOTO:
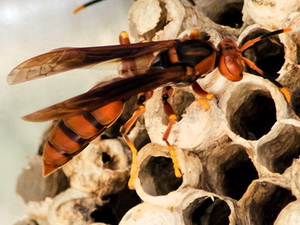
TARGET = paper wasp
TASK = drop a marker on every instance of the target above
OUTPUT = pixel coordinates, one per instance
(172, 63)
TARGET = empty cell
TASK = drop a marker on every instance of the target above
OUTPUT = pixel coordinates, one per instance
(278, 153)
(228, 13)
(146, 213)
(295, 102)
(32, 187)
(180, 101)
(228, 171)
(252, 114)
(157, 176)
(115, 206)
(103, 162)
(239, 172)
(264, 201)
(207, 211)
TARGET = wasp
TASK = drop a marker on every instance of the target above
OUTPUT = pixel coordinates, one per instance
(178, 62)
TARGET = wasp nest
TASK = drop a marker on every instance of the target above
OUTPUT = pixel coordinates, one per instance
(239, 158)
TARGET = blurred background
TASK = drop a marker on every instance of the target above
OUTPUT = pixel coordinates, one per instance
(29, 28)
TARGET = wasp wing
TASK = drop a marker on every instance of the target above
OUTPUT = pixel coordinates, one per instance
(65, 59)
(120, 88)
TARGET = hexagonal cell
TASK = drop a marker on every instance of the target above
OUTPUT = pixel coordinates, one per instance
(207, 211)
(157, 176)
(289, 215)
(103, 161)
(156, 19)
(195, 125)
(277, 152)
(267, 54)
(115, 206)
(73, 211)
(104, 215)
(295, 102)
(263, 202)
(293, 22)
(42, 187)
(76, 207)
(156, 179)
(252, 114)
(149, 214)
(180, 100)
(228, 13)
(269, 13)
(228, 170)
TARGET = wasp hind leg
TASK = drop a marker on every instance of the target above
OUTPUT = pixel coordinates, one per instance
(166, 94)
(140, 109)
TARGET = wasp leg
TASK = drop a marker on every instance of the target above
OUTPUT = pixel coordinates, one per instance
(140, 109)
(195, 34)
(126, 66)
(204, 96)
(166, 93)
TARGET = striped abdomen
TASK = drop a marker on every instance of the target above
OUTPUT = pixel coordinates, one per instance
(71, 135)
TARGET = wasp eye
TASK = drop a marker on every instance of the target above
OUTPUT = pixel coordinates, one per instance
(228, 47)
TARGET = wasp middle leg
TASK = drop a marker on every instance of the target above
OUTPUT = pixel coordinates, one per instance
(166, 94)
(204, 97)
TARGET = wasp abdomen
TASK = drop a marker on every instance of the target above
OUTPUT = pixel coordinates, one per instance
(70, 136)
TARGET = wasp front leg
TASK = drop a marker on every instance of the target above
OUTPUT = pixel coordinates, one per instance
(140, 109)
(203, 95)
(166, 94)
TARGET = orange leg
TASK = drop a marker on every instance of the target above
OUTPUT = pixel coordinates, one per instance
(140, 109)
(204, 96)
(166, 93)
(195, 34)
(127, 66)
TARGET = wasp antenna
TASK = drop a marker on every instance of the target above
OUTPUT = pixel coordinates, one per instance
(286, 93)
(283, 90)
(78, 9)
(85, 5)
(253, 41)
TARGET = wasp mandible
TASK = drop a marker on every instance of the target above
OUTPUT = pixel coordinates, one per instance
(175, 62)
